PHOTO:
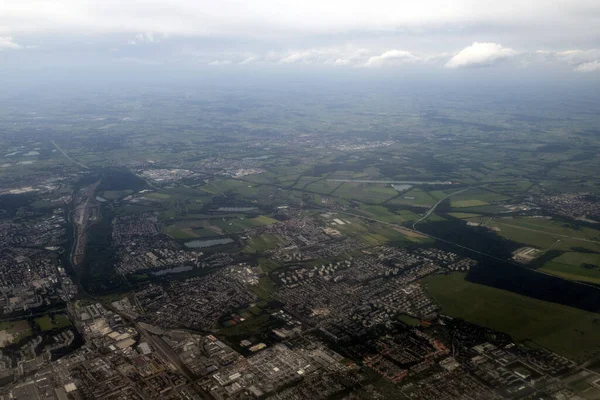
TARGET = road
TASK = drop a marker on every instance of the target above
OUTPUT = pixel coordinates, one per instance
(68, 157)
(390, 182)
(432, 209)
(165, 351)
(455, 244)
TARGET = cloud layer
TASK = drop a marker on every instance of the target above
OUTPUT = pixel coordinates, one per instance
(479, 55)
(280, 17)
(474, 56)
(336, 33)
(7, 42)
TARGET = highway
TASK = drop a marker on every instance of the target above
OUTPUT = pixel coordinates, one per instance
(67, 156)
(432, 209)
(454, 244)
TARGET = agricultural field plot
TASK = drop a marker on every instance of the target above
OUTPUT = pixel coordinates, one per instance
(239, 224)
(568, 331)
(158, 196)
(414, 197)
(179, 232)
(576, 266)
(115, 194)
(217, 225)
(467, 203)
(461, 215)
(303, 181)
(475, 197)
(510, 188)
(259, 244)
(230, 186)
(265, 177)
(373, 233)
(322, 187)
(553, 226)
(377, 235)
(366, 192)
(384, 214)
(193, 228)
(546, 233)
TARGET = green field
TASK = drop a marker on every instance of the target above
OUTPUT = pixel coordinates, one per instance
(408, 320)
(365, 192)
(421, 198)
(575, 266)
(322, 187)
(544, 233)
(570, 332)
(15, 330)
(261, 243)
(211, 225)
(303, 181)
(384, 214)
(56, 322)
(157, 196)
(467, 203)
(460, 215)
(231, 186)
(115, 194)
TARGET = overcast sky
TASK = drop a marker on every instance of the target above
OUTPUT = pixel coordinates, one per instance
(305, 33)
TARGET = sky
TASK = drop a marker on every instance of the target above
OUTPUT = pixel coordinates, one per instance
(392, 35)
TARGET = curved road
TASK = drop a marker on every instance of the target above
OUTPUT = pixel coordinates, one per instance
(432, 209)
(68, 157)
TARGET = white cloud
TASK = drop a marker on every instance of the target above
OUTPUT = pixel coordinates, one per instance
(303, 56)
(592, 66)
(578, 56)
(146, 38)
(221, 62)
(275, 18)
(7, 43)
(480, 54)
(248, 60)
(581, 60)
(343, 55)
(392, 57)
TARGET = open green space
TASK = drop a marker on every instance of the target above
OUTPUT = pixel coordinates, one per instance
(384, 214)
(13, 331)
(265, 288)
(568, 331)
(322, 187)
(545, 233)
(261, 243)
(366, 192)
(158, 196)
(415, 197)
(303, 181)
(231, 186)
(115, 194)
(461, 215)
(576, 266)
(408, 320)
(57, 321)
(467, 203)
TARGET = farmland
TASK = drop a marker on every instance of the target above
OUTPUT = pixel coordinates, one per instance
(567, 331)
